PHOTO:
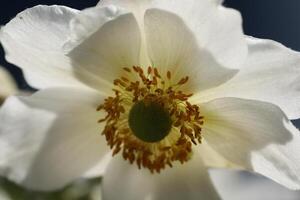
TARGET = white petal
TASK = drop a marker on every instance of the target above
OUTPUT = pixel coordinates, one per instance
(237, 185)
(33, 41)
(98, 169)
(51, 138)
(188, 181)
(212, 158)
(217, 29)
(255, 135)
(104, 41)
(271, 73)
(173, 47)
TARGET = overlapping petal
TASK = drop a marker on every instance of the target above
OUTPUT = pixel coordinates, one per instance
(104, 40)
(172, 46)
(271, 73)
(255, 135)
(33, 41)
(217, 29)
(51, 138)
(189, 181)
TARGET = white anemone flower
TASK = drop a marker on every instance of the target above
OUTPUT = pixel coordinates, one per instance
(169, 87)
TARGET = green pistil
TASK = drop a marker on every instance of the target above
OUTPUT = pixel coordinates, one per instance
(149, 122)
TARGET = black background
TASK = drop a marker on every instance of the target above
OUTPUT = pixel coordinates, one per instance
(273, 19)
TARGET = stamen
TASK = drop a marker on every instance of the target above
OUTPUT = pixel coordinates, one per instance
(169, 75)
(151, 143)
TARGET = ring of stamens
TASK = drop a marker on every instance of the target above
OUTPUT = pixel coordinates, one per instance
(150, 86)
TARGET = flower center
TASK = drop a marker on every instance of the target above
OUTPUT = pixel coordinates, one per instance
(149, 120)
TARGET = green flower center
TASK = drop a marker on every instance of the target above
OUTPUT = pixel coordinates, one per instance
(149, 122)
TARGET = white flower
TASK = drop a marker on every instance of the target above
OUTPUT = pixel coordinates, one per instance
(7, 85)
(245, 90)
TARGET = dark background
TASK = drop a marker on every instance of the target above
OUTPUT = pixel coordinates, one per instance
(273, 19)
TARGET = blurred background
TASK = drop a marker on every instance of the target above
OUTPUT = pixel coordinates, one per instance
(272, 19)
